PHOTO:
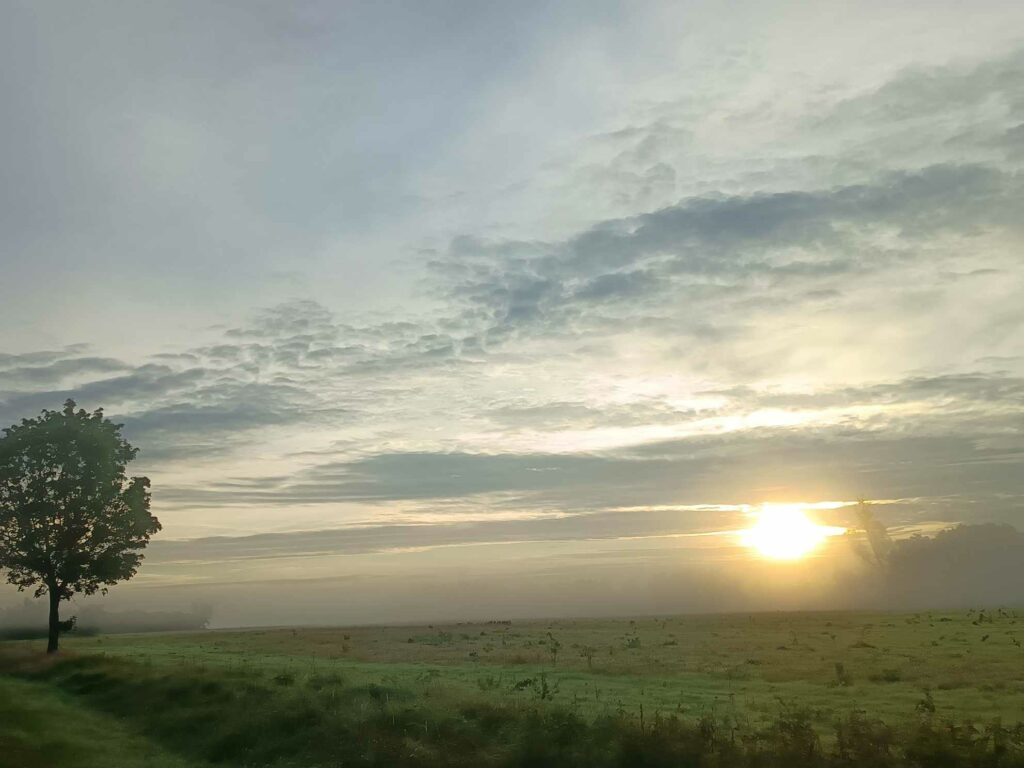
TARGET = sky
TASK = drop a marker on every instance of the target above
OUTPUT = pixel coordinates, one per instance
(543, 298)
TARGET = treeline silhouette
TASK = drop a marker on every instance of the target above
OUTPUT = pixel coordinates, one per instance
(962, 566)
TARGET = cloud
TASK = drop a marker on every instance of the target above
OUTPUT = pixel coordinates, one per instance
(969, 390)
(729, 243)
(194, 403)
(949, 477)
(56, 371)
(350, 579)
(706, 282)
(358, 540)
(968, 98)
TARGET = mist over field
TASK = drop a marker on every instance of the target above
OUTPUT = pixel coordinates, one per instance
(969, 567)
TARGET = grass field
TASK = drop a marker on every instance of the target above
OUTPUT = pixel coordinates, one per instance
(469, 693)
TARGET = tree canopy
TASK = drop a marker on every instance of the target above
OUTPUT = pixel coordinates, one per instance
(71, 520)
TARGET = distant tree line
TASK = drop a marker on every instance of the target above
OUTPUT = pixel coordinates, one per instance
(964, 565)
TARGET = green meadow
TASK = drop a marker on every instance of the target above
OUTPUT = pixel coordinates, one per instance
(759, 689)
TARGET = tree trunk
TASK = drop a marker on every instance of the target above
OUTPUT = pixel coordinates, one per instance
(51, 643)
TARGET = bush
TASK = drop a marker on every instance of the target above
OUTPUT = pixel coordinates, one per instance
(887, 676)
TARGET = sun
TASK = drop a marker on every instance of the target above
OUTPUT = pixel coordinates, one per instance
(785, 532)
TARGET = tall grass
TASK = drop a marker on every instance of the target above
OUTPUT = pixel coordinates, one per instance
(237, 717)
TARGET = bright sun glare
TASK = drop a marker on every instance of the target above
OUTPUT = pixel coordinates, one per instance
(784, 532)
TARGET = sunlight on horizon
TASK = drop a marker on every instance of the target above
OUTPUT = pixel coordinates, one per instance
(785, 532)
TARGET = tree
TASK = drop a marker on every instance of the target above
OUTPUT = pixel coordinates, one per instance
(878, 536)
(71, 521)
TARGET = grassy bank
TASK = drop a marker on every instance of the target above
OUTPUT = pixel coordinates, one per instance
(44, 727)
(742, 665)
(667, 692)
(127, 710)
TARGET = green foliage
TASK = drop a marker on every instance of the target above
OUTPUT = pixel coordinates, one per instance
(717, 659)
(85, 739)
(724, 696)
(69, 517)
(887, 675)
(284, 678)
(71, 521)
(588, 652)
(843, 678)
(240, 717)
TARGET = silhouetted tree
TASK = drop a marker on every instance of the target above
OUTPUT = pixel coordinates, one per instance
(962, 565)
(878, 536)
(71, 521)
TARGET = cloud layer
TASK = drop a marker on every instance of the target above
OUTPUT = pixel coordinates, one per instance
(360, 288)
